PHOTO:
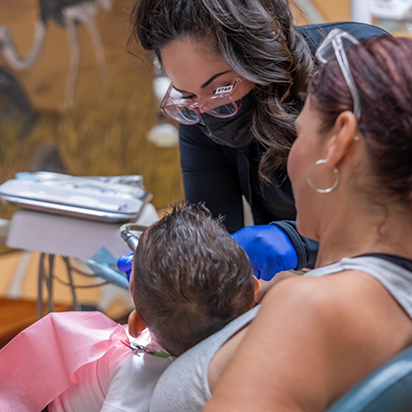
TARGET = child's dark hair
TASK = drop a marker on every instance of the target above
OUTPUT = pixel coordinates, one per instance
(190, 278)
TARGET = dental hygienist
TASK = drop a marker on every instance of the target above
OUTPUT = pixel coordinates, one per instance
(239, 71)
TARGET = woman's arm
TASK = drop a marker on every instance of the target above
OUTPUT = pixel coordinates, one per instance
(312, 340)
(208, 176)
(276, 248)
(306, 249)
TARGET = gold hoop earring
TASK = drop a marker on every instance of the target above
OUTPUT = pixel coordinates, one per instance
(329, 189)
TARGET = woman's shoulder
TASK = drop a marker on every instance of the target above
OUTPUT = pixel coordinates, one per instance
(346, 309)
(346, 323)
(348, 293)
(337, 295)
(315, 33)
(313, 290)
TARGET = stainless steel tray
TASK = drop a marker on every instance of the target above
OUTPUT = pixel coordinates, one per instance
(86, 198)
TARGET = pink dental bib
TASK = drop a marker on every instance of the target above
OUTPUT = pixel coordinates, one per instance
(40, 362)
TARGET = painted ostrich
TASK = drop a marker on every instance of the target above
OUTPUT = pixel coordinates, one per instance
(67, 14)
(17, 114)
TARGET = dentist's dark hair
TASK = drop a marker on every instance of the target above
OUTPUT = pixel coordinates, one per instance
(258, 40)
(190, 278)
(382, 72)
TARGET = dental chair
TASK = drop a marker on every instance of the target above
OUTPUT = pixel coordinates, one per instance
(388, 389)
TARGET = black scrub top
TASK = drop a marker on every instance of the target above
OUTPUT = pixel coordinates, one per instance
(219, 175)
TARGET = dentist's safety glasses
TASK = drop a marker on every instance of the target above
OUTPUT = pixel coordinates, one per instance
(186, 111)
(333, 47)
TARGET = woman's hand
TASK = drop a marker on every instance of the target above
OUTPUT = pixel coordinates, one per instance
(268, 248)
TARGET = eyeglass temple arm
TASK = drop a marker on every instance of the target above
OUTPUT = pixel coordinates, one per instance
(344, 64)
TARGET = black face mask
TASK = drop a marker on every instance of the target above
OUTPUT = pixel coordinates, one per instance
(233, 131)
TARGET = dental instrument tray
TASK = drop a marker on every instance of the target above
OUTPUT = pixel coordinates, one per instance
(106, 199)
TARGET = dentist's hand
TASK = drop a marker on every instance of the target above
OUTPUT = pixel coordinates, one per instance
(269, 249)
(124, 263)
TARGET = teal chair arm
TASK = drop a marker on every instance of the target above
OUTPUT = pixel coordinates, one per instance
(388, 389)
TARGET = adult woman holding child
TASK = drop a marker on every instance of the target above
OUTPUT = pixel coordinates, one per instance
(239, 72)
(316, 336)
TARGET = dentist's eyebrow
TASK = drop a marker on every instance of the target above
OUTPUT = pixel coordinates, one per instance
(180, 91)
(205, 84)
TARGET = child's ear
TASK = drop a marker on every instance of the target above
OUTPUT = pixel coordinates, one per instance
(136, 324)
(256, 283)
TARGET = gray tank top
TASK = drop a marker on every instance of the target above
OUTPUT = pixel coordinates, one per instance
(184, 386)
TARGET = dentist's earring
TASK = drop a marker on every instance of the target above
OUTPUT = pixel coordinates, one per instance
(312, 185)
(356, 138)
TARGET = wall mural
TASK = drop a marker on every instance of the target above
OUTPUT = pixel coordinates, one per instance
(73, 99)
(67, 14)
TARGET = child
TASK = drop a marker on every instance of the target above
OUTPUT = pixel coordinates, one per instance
(190, 279)
(77, 361)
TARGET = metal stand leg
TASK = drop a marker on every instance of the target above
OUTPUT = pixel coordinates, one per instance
(48, 280)
(49, 283)
(76, 305)
(40, 310)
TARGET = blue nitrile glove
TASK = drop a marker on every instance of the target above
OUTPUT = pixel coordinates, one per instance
(124, 263)
(269, 249)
